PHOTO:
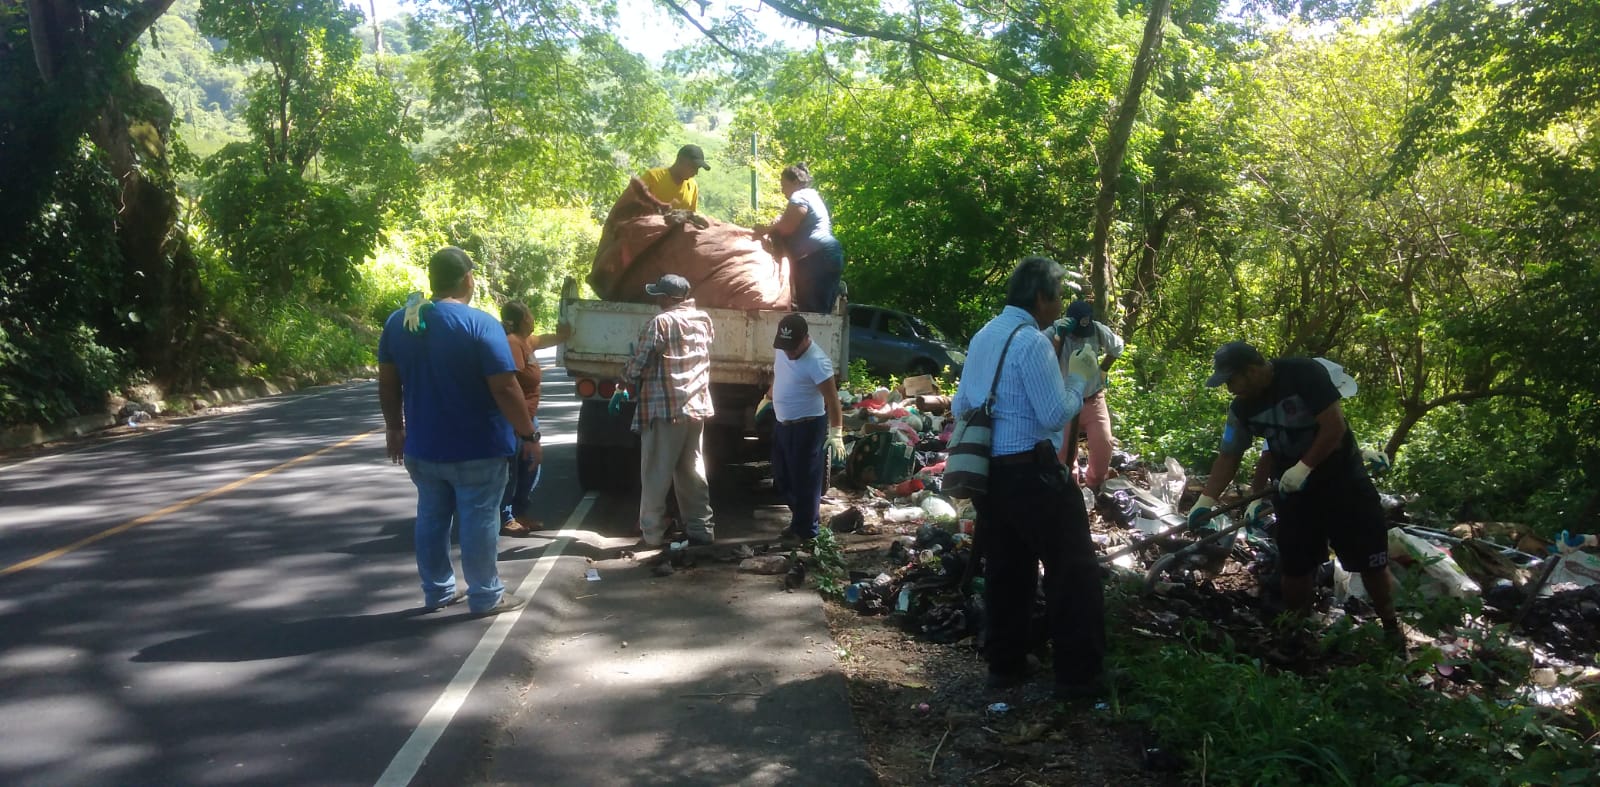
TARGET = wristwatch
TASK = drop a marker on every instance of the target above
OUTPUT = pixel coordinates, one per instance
(530, 438)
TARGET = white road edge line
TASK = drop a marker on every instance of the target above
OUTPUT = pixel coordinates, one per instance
(403, 768)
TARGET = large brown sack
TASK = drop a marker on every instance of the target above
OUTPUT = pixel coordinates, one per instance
(726, 267)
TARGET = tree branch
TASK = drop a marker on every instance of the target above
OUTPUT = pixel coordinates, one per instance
(684, 12)
(801, 15)
(139, 20)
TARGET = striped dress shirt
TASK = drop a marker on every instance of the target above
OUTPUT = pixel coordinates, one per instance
(671, 366)
(1032, 403)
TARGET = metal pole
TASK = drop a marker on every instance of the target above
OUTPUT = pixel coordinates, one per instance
(752, 173)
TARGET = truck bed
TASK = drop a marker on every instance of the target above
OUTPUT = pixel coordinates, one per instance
(741, 352)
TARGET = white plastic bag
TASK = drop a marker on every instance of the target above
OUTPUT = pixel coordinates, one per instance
(1168, 486)
(939, 510)
(1446, 575)
(904, 515)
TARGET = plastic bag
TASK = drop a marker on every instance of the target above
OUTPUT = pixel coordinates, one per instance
(1445, 573)
(1168, 486)
(939, 510)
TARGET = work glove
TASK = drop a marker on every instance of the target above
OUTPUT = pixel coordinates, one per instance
(617, 399)
(413, 319)
(1254, 513)
(1294, 479)
(1377, 462)
(1200, 512)
(1568, 542)
(764, 408)
(835, 451)
(1083, 366)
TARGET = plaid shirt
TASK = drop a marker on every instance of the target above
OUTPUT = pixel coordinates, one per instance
(671, 366)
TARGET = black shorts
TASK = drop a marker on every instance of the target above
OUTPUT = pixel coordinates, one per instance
(1347, 516)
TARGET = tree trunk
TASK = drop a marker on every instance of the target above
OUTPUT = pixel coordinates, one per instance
(1144, 277)
(1103, 278)
(161, 280)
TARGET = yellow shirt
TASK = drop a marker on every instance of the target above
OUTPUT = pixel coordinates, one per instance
(685, 195)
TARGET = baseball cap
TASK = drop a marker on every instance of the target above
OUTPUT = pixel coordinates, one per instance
(1230, 359)
(447, 267)
(1080, 318)
(671, 285)
(695, 154)
(1341, 378)
(792, 332)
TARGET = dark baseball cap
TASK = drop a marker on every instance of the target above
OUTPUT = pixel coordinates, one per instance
(792, 332)
(694, 154)
(1230, 359)
(671, 285)
(1080, 318)
(447, 268)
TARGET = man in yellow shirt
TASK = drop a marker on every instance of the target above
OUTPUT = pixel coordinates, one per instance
(675, 185)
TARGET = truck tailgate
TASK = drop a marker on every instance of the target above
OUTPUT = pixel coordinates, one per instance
(741, 353)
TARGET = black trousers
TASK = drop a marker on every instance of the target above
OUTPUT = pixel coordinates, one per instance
(1032, 514)
(799, 471)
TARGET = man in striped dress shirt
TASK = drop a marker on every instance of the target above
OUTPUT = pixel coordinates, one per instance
(671, 372)
(1032, 513)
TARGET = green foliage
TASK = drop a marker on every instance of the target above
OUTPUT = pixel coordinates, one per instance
(829, 568)
(1162, 408)
(1237, 722)
(543, 106)
(310, 107)
(286, 234)
(206, 92)
(59, 288)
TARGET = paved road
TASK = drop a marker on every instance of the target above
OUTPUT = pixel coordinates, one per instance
(268, 633)
(233, 600)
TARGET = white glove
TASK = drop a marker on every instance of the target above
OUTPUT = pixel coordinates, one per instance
(1083, 366)
(1201, 508)
(835, 452)
(413, 319)
(1294, 479)
(1377, 462)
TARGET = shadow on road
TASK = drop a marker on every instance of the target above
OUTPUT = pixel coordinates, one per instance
(267, 640)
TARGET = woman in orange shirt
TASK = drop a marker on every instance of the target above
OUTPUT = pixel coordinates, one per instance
(524, 475)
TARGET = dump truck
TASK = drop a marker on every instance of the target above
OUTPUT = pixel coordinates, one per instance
(741, 371)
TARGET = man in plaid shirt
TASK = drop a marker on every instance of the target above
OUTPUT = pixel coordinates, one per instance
(671, 372)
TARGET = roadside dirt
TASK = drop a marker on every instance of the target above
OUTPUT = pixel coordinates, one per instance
(927, 719)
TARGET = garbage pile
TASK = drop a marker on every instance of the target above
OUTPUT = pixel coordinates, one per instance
(929, 582)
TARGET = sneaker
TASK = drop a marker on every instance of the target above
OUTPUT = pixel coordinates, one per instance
(455, 598)
(507, 603)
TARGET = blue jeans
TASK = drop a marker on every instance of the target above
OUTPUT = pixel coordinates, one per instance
(814, 279)
(470, 492)
(521, 479)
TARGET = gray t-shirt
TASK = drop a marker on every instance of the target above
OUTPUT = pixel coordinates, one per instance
(1103, 343)
(816, 227)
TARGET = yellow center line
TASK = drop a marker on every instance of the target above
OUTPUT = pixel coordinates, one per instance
(176, 507)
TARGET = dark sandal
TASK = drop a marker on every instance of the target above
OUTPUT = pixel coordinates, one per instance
(515, 529)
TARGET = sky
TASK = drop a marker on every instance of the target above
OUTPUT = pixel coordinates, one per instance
(650, 31)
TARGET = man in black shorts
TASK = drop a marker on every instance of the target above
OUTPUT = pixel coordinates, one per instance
(1324, 495)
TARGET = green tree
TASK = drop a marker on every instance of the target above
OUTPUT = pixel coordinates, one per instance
(539, 103)
(300, 204)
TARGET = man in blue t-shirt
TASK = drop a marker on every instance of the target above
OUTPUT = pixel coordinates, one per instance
(454, 413)
(1324, 495)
